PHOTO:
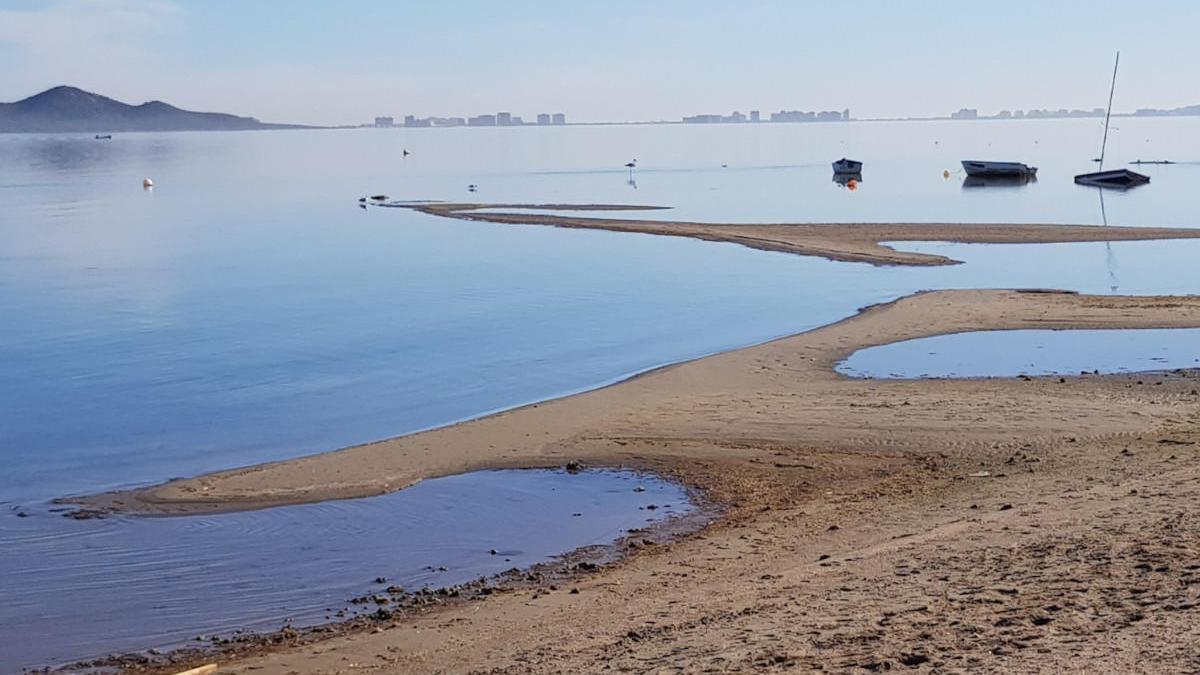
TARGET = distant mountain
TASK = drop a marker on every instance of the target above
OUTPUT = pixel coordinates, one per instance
(72, 109)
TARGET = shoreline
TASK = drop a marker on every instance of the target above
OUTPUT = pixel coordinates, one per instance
(596, 426)
(1020, 523)
(987, 524)
(366, 614)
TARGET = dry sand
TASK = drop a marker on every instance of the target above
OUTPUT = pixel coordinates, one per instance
(982, 525)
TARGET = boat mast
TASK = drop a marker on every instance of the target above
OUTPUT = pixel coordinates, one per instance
(1108, 113)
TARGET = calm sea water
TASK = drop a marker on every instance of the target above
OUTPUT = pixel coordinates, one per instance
(247, 310)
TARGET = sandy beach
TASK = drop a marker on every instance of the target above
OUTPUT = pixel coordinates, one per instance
(984, 525)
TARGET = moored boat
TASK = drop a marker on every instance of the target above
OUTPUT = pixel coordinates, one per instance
(975, 167)
(1120, 179)
(847, 166)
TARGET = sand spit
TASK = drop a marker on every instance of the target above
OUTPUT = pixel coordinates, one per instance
(983, 525)
(975, 525)
(854, 242)
(732, 406)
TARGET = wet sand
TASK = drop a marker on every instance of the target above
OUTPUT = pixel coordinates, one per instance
(986, 525)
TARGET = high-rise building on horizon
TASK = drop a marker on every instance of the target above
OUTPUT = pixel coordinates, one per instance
(559, 119)
(503, 119)
(755, 116)
(385, 122)
(543, 119)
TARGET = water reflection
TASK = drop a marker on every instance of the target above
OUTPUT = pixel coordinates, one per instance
(71, 154)
(78, 589)
(849, 181)
(999, 181)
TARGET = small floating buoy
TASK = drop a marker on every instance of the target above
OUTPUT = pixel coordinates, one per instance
(147, 183)
(946, 174)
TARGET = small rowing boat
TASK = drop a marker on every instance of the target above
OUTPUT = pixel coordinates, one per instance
(997, 169)
(847, 166)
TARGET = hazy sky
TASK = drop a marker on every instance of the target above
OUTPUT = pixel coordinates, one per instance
(345, 62)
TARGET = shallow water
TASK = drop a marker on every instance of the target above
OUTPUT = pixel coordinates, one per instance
(134, 583)
(246, 310)
(1028, 352)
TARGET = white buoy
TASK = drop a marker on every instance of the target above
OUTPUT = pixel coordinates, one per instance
(147, 183)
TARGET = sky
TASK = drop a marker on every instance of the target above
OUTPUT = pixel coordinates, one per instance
(314, 62)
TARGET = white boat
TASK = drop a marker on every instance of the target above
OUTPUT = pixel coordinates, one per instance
(844, 165)
(975, 167)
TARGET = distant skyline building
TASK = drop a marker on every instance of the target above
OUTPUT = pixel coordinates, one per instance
(384, 122)
(755, 116)
(482, 121)
(807, 116)
(543, 119)
(1035, 113)
(559, 119)
(503, 119)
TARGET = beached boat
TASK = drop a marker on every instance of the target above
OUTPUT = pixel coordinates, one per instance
(847, 166)
(975, 167)
(1118, 179)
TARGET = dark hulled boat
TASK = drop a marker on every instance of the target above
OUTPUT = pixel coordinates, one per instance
(1120, 179)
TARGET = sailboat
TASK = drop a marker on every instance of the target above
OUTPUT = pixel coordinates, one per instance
(1121, 179)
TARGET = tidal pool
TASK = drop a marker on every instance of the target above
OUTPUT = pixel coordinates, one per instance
(1008, 353)
(131, 583)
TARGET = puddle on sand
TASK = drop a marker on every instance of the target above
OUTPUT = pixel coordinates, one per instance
(82, 589)
(1028, 352)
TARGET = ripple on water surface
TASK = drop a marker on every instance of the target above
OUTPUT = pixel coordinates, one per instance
(1028, 352)
(77, 589)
